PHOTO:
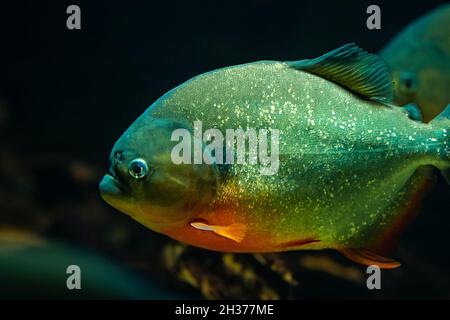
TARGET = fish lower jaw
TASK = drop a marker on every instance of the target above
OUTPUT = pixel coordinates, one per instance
(158, 223)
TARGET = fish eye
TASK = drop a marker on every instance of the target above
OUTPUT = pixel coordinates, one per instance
(138, 168)
(408, 83)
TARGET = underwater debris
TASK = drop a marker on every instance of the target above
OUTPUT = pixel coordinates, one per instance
(13, 239)
(328, 265)
(248, 275)
(278, 265)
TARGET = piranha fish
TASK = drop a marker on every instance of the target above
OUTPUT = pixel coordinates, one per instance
(419, 59)
(348, 159)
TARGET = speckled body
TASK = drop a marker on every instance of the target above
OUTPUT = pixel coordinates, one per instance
(344, 161)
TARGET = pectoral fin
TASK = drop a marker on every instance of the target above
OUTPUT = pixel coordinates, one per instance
(413, 112)
(234, 231)
(367, 257)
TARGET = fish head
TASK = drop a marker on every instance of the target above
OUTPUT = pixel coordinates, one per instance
(418, 58)
(146, 184)
(406, 85)
(426, 87)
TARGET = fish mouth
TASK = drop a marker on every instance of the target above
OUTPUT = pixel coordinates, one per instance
(111, 189)
(113, 192)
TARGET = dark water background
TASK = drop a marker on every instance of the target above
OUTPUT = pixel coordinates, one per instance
(68, 95)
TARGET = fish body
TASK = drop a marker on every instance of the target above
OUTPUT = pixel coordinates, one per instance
(419, 59)
(346, 161)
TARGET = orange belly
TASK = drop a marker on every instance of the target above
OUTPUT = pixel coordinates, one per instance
(255, 240)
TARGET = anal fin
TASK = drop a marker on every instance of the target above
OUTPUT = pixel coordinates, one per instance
(409, 206)
(367, 257)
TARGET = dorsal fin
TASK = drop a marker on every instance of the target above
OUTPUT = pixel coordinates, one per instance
(361, 72)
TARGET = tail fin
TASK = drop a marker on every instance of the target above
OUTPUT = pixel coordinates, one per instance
(442, 120)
